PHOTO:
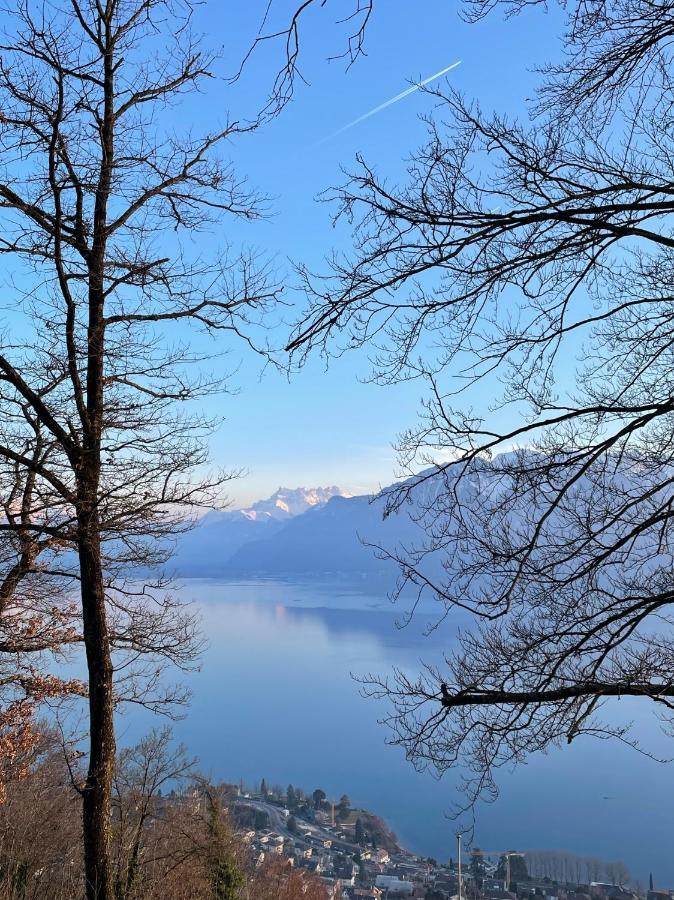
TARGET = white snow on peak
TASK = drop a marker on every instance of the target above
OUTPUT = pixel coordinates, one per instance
(289, 502)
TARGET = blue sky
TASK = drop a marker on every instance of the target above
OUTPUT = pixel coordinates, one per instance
(329, 426)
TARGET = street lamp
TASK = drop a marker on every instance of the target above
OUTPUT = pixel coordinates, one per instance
(458, 845)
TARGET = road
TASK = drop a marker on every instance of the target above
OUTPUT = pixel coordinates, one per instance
(277, 822)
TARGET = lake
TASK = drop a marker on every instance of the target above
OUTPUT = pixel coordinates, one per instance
(275, 698)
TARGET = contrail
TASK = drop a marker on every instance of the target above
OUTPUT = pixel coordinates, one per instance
(400, 96)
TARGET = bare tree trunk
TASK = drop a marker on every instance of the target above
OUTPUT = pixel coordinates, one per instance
(97, 791)
(97, 798)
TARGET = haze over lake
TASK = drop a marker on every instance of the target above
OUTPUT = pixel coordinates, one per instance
(275, 699)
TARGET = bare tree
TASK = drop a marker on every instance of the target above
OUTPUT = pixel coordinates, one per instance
(577, 867)
(285, 28)
(593, 868)
(532, 262)
(143, 774)
(37, 623)
(563, 866)
(96, 398)
(277, 880)
(617, 872)
(172, 835)
(40, 835)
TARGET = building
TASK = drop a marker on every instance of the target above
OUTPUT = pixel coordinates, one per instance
(346, 871)
(446, 886)
(357, 893)
(395, 886)
(659, 895)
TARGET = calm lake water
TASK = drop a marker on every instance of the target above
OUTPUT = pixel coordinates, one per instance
(275, 699)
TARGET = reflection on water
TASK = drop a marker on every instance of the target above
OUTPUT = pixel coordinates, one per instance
(275, 699)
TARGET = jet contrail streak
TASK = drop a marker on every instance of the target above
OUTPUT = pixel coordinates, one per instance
(400, 96)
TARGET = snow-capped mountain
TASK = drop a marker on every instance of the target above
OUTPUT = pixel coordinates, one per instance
(318, 532)
(206, 550)
(322, 542)
(289, 502)
(301, 532)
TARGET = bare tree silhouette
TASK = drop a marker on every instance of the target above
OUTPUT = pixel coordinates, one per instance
(100, 425)
(532, 262)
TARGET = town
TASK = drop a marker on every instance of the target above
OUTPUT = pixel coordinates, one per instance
(358, 858)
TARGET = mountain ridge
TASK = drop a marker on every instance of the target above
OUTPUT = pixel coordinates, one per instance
(311, 537)
(205, 550)
(288, 502)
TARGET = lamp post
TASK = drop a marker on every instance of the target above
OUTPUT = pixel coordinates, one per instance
(458, 845)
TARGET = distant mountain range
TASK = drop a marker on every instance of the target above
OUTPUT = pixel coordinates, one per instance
(303, 532)
(286, 503)
(324, 532)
